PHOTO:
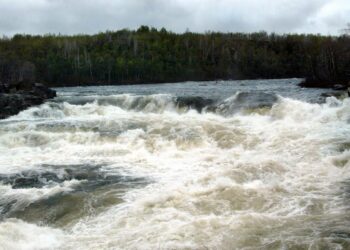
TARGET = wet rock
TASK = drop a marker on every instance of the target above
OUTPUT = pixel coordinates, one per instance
(339, 94)
(22, 95)
(329, 94)
(325, 83)
(21, 182)
(246, 100)
(194, 102)
(93, 176)
(4, 88)
(42, 91)
(97, 189)
(339, 87)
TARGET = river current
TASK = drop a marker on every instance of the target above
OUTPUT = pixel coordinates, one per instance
(198, 165)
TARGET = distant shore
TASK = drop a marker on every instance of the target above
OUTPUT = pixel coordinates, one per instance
(150, 55)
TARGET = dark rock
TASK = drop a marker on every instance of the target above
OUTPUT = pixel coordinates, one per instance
(194, 102)
(22, 95)
(4, 88)
(316, 83)
(23, 86)
(40, 90)
(245, 101)
(339, 87)
(329, 94)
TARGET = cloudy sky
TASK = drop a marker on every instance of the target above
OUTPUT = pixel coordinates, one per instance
(91, 16)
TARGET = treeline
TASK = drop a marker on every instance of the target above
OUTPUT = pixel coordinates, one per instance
(151, 55)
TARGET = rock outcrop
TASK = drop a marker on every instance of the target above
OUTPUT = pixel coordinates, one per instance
(329, 84)
(19, 96)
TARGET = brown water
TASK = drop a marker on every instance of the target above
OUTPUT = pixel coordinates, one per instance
(221, 165)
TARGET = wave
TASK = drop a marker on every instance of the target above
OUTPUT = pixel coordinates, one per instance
(101, 105)
(250, 171)
(17, 234)
(30, 194)
(100, 126)
(246, 101)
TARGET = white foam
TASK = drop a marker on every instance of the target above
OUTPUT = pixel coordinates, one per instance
(19, 235)
(219, 182)
(20, 198)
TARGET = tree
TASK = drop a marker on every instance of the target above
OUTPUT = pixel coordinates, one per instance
(151, 55)
(346, 31)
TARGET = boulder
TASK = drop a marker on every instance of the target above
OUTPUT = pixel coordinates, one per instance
(41, 90)
(194, 102)
(339, 87)
(19, 96)
(23, 86)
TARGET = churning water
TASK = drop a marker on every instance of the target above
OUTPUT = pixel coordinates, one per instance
(214, 165)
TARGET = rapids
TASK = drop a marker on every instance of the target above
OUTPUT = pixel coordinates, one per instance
(214, 165)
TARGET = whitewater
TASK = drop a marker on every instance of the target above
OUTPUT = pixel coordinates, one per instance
(198, 165)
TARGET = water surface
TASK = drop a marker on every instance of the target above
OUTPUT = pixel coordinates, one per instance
(196, 165)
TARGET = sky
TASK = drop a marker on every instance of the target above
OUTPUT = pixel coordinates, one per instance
(93, 16)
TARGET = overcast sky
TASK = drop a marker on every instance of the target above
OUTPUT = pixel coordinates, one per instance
(92, 16)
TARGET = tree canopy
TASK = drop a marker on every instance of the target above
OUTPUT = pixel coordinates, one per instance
(148, 55)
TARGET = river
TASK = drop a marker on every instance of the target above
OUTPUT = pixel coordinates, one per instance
(258, 164)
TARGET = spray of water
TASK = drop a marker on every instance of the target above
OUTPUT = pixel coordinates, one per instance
(233, 174)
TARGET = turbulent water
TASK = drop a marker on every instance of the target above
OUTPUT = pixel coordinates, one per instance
(214, 165)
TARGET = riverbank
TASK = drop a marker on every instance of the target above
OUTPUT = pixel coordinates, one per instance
(326, 84)
(157, 56)
(17, 97)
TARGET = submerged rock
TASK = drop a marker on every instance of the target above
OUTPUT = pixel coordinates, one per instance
(59, 194)
(330, 94)
(245, 101)
(19, 96)
(194, 102)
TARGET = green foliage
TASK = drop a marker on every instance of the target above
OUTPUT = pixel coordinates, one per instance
(149, 55)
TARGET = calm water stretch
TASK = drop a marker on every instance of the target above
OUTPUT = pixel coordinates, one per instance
(196, 165)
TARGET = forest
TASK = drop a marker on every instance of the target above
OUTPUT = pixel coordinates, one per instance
(150, 55)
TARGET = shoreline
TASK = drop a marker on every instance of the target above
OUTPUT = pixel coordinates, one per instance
(15, 98)
(327, 84)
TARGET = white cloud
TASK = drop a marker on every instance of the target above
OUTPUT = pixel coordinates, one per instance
(88, 16)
